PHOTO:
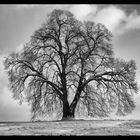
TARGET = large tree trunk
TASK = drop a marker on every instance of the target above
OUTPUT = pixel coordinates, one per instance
(68, 112)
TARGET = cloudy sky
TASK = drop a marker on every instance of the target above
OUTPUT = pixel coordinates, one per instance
(18, 23)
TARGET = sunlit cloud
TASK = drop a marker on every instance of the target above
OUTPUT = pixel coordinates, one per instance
(133, 21)
(82, 11)
(111, 17)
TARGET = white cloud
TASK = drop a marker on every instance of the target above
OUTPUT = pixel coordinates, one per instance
(117, 20)
(110, 16)
(133, 21)
(82, 11)
(113, 17)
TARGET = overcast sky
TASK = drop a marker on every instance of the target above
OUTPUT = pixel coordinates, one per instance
(18, 23)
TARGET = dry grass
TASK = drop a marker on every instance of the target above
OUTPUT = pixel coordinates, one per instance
(92, 127)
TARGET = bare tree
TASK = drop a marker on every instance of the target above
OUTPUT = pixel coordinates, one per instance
(69, 64)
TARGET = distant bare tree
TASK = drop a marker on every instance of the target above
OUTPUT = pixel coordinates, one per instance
(69, 64)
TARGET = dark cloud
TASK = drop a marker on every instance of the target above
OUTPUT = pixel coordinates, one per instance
(129, 8)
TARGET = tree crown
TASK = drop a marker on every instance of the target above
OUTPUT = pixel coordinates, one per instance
(69, 58)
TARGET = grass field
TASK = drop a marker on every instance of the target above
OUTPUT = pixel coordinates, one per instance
(76, 127)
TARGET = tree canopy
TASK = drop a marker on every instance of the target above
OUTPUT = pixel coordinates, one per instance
(68, 65)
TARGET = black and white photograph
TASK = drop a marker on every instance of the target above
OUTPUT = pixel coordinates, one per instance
(69, 69)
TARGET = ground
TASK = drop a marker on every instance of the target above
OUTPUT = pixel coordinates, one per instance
(75, 127)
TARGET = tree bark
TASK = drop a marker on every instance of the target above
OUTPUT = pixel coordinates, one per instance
(68, 112)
